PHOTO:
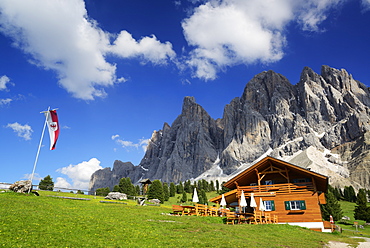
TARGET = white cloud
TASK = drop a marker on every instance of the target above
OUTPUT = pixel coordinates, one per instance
(149, 48)
(143, 143)
(23, 131)
(36, 177)
(5, 101)
(4, 80)
(81, 173)
(225, 33)
(366, 4)
(62, 183)
(312, 13)
(60, 36)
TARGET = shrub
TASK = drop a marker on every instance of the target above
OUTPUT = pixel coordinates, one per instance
(102, 191)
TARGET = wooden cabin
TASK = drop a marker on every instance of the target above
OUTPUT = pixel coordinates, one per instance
(291, 192)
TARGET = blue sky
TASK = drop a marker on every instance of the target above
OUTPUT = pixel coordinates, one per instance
(117, 70)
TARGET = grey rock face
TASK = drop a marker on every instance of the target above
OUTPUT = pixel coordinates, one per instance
(23, 186)
(193, 139)
(327, 112)
(116, 196)
(109, 178)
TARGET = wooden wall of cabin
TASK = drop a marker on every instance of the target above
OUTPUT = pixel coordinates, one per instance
(312, 213)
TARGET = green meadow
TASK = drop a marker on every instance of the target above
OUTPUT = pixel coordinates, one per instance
(45, 221)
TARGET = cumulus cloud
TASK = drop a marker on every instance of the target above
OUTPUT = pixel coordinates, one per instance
(23, 131)
(62, 183)
(4, 80)
(143, 143)
(80, 174)
(60, 36)
(225, 33)
(149, 48)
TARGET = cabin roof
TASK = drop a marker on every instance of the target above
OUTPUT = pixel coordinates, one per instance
(242, 178)
(146, 181)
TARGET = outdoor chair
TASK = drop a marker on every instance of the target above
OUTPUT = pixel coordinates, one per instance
(275, 219)
(243, 219)
(267, 218)
(223, 212)
(212, 211)
(201, 209)
(257, 218)
(231, 218)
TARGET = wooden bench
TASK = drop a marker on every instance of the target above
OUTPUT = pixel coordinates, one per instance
(201, 209)
(213, 211)
(177, 210)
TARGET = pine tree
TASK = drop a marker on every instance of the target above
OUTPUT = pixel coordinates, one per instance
(102, 191)
(180, 188)
(211, 186)
(137, 190)
(46, 183)
(204, 196)
(224, 189)
(332, 207)
(166, 192)
(184, 197)
(217, 187)
(199, 185)
(155, 191)
(172, 190)
(353, 196)
(116, 188)
(362, 211)
(125, 186)
(349, 194)
(337, 194)
(187, 186)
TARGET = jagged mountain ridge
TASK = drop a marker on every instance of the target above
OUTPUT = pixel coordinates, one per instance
(322, 123)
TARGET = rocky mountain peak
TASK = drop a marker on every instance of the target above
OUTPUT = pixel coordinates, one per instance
(265, 92)
(321, 123)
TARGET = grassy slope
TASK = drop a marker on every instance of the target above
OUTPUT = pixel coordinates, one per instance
(30, 221)
(348, 210)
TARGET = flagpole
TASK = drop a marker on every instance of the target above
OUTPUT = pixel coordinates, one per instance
(38, 150)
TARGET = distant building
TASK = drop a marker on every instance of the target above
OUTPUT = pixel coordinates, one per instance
(145, 185)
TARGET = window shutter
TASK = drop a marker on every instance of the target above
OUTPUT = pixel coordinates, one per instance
(272, 206)
(302, 205)
(287, 205)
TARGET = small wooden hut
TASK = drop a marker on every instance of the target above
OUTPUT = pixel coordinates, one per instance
(144, 185)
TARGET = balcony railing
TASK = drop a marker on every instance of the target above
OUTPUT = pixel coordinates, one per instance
(283, 188)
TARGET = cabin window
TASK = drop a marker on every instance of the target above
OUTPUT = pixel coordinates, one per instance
(295, 205)
(301, 180)
(269, 182)
(253, 184)
(269, 205)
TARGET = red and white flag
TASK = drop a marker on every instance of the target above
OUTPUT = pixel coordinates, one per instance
(53, 126)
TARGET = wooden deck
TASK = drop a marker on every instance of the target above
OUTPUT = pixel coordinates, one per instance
(278, 189)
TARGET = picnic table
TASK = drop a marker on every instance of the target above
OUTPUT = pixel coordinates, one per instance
(189, 210)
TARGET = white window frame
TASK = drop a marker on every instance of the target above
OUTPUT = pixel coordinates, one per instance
(295, 205)
(268, 205)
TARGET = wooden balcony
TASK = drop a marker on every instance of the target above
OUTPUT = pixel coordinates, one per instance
(283, 188)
